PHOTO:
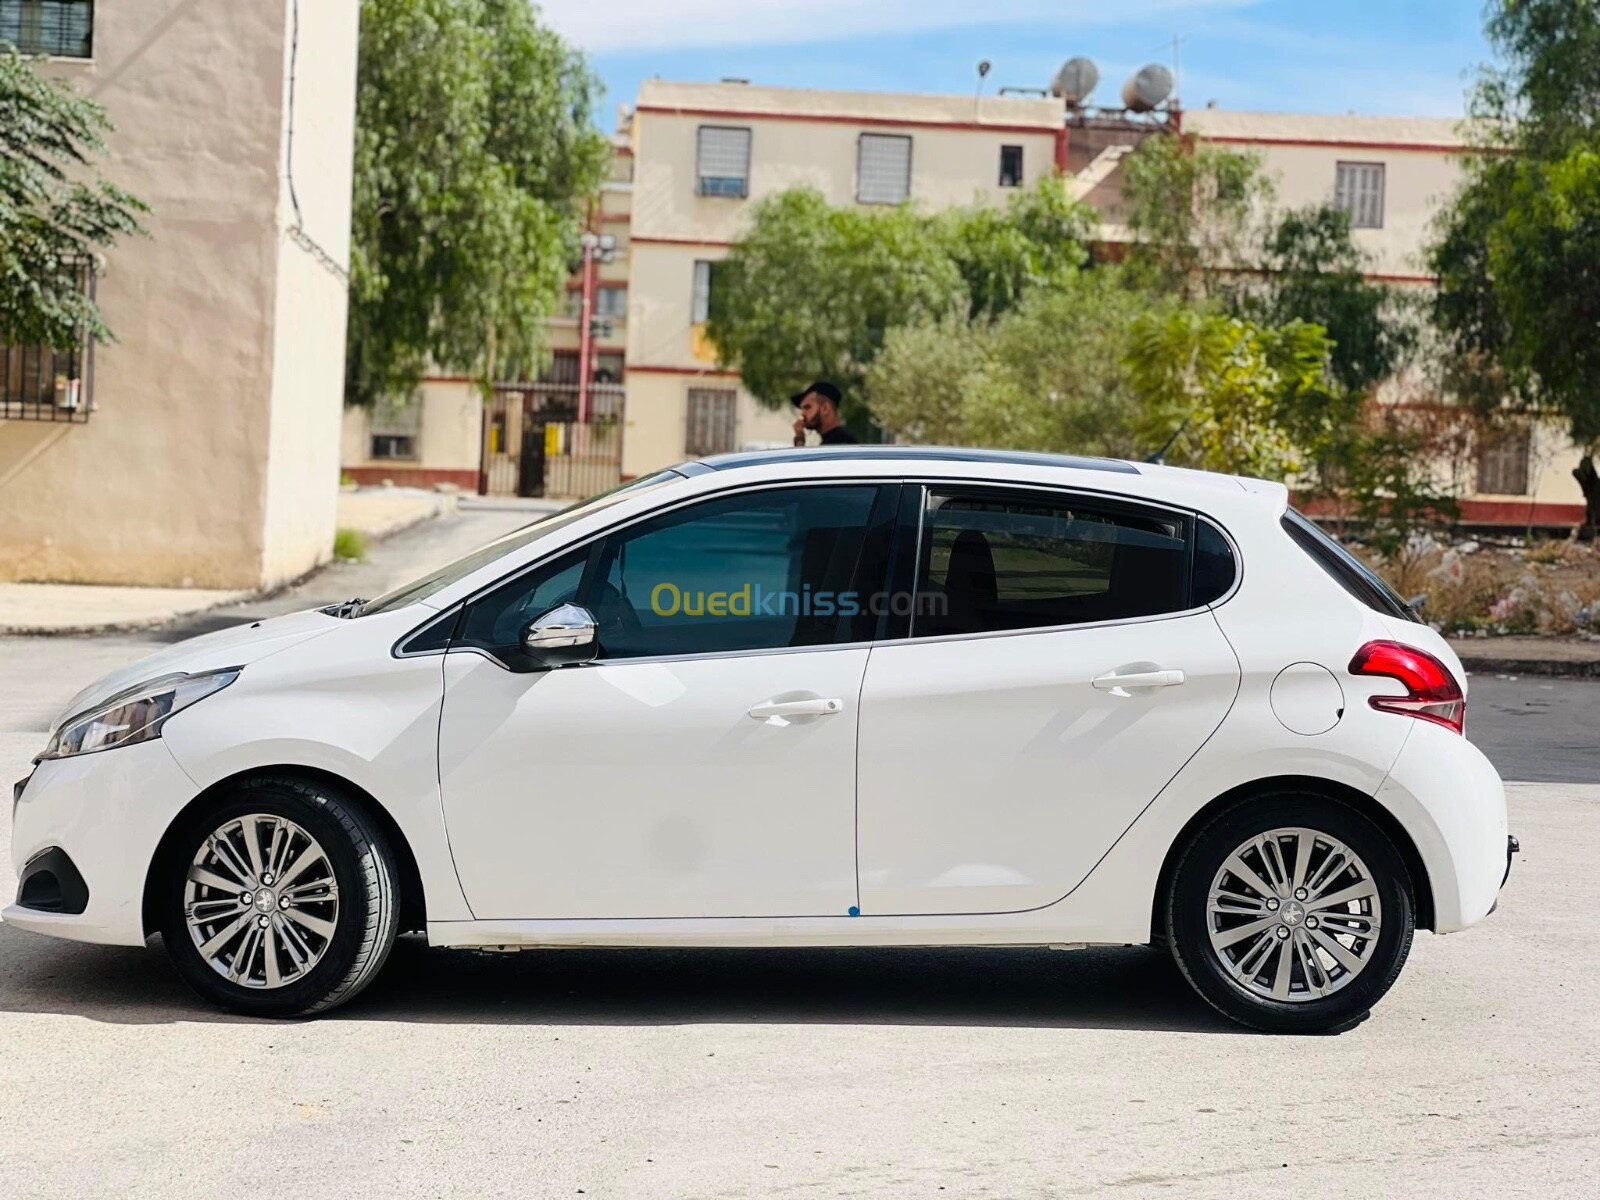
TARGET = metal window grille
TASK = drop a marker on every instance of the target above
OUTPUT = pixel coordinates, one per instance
(1503, 463)
(59, 28)
(883, 168)
(722, 161)
(712, 420)
(1358, 190)
(1010, 166)
(41, 383)
(611, 302)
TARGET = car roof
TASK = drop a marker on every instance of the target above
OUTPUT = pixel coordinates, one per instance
(1018, 458)
(1155, 481)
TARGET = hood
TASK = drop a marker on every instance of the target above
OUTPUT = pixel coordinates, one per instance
(236, 647)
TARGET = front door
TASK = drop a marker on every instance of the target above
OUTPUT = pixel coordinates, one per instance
(1055, 678)
(704, 764)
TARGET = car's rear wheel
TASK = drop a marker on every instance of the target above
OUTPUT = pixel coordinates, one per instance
(279, 901)
(1291, 913)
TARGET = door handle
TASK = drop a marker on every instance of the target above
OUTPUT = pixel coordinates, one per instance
(1111, 681)
(768, 709)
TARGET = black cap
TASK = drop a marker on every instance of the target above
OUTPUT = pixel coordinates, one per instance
(828, 391)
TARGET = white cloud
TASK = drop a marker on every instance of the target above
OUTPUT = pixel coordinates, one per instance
(633, 25)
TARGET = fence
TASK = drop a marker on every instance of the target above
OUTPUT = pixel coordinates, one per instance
(535, 445)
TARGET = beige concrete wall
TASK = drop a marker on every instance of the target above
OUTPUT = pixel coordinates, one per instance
(811, 138)
(1422, 168)
(168, 482)
(449, 437)
(309, 331)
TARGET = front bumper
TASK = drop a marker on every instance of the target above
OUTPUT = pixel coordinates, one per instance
(106, 813)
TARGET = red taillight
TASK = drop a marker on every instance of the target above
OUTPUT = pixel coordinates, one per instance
(1432, 693)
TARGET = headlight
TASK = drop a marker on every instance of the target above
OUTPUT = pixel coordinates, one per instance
(134, 715)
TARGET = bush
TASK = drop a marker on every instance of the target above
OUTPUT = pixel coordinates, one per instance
(350, 545)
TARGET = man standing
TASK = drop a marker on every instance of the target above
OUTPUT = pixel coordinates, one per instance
(819, 410)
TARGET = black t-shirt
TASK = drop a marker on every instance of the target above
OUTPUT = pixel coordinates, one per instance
(839, 436)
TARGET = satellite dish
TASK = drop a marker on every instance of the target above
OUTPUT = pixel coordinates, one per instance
(1147, 88)
(1075, 80)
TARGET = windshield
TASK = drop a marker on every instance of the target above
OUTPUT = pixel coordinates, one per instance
(436, 581)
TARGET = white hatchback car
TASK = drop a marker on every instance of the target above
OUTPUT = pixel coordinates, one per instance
(858, 697)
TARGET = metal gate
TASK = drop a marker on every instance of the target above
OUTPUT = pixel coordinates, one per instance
(535, 445)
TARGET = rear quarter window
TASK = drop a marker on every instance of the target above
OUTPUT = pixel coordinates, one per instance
(1215, 566)
(1353, 575)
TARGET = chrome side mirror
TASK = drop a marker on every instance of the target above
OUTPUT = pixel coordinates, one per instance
(562, 637)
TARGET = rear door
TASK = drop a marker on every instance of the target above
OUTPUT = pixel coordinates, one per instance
(1054, 674)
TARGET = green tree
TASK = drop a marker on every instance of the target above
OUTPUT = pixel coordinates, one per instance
(811, 291)
(1050, 374)
(1192, 210)
(1518, 250)
(475, 155)
(57, 215)
(1313, 271)
(1228, 387)
(1040, 239)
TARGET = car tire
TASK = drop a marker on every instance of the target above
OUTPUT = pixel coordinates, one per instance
(1231, 939)
(327, 926)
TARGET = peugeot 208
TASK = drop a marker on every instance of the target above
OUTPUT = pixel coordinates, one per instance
(896, 697)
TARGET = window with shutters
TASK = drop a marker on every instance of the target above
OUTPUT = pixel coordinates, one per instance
(883, 168)
(722, 161)
(396, 427)
(1503, 462)
(712, 416)
(56, 28)
(1358, 190)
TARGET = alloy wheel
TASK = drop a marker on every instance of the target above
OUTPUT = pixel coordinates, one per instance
(1293, 915)
(260, 901)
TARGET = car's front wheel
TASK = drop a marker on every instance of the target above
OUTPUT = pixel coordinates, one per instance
(279, 901)
(1291, 913)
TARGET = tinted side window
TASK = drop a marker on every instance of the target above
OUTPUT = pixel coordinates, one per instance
(1214, 567)
(1001, 563)
(1360, 580)
(496, 621)
(756, 571)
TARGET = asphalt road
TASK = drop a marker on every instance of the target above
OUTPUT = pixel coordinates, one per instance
(854, 1073)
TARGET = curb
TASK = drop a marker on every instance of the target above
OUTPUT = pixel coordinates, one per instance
(1551, 668)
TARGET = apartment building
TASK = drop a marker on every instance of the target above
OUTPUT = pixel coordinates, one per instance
(691, 160)
(201, 447)
(704, 153)
(1393, 175)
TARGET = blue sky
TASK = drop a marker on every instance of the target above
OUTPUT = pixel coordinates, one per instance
(1398, 57)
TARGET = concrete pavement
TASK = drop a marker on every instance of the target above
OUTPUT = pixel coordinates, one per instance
(762, 1073)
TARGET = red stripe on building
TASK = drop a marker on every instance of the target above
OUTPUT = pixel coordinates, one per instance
(415, 477)
(1042, 130)
(642, 240)
(708, 372)
(1341, 143)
